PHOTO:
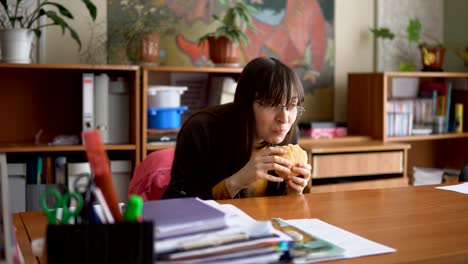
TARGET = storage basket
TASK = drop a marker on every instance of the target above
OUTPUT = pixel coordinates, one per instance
(165, 95)
(165, 117)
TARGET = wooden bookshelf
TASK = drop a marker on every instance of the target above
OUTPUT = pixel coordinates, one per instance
(48, 98)
(163, 75)
(371, 92)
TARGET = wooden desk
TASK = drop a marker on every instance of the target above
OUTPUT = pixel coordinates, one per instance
(424, 224)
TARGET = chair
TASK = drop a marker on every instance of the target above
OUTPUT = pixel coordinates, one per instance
(152, 176)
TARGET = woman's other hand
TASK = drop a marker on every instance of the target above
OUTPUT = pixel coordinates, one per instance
(297, 184)
(257, 168)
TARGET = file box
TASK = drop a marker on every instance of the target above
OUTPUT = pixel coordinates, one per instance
(17, 184)
(121, 173)
(165, 117)
(165, 95)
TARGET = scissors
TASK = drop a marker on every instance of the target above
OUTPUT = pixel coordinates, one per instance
(60, 202)
(84, 185)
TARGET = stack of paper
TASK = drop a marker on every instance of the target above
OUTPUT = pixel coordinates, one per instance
(189, 230)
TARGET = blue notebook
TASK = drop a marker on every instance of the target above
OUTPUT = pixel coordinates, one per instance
(182, 216)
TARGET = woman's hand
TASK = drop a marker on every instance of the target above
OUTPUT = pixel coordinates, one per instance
(257, 168)
(296, 184)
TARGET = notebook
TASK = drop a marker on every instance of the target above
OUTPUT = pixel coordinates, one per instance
(182, 216)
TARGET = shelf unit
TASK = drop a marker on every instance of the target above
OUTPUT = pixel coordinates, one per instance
(48, 98)
(368, 94)
(166, 75)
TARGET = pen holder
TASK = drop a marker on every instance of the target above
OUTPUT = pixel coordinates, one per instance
(127, 242)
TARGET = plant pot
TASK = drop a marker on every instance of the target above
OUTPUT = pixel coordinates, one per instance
(432, 57)
(16, 45)
(223, 52)
(148, 49)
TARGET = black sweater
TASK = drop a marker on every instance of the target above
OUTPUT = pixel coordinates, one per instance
(203, 154)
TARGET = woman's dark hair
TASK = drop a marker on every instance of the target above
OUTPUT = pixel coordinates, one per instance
(271, 82)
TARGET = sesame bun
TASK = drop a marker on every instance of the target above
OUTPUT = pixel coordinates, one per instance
(295, 155)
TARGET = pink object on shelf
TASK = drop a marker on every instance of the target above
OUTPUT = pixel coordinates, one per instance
(324, 132)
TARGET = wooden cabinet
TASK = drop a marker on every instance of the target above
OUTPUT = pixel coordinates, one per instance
(368, 104)
(356, 162)
(199, 81)
(41, 101)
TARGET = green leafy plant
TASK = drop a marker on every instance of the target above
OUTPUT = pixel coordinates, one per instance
(237, 18)
(18, 15)
(414, 35)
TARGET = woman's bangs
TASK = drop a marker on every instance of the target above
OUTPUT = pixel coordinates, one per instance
(280, 90)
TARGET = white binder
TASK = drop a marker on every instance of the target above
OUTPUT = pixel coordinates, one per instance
(101, 105)
(88, 101)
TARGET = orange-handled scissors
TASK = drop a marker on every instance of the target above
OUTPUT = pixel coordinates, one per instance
(60, 202)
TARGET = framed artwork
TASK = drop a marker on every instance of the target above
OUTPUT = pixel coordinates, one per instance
(298, 32)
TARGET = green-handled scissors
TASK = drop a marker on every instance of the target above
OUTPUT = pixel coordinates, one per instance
(60, 202)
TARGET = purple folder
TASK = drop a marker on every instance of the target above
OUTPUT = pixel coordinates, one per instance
(182, 216)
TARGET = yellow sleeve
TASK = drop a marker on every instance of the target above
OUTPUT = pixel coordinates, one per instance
(220, 191)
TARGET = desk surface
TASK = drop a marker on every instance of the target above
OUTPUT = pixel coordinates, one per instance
(424, 224)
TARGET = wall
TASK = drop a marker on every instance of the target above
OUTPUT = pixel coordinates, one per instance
(354, 46)
(395, 14)
(456, 33)
(353, 51)
(63, 49)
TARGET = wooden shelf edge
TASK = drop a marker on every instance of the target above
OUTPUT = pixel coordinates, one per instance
(112, 67)
(45, 148)
(428, 137)
(159, 147)
(194, 69)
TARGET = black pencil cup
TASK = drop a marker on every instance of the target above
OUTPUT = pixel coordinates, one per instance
(128, 242)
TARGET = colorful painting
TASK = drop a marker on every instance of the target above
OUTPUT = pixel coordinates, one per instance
(299, 32)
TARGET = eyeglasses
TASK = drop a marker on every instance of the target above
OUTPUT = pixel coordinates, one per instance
(291, 108)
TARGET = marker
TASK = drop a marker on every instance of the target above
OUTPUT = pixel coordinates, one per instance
(133, 209)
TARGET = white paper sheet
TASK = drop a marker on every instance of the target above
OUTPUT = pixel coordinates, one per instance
(461, 188)
(354, 245)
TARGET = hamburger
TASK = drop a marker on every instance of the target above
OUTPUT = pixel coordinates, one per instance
(295, 155)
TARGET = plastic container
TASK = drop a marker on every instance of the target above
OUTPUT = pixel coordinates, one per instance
(121, 173)
(165, 117)
(165, 96)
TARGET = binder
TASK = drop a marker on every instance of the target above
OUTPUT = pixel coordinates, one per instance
(88, 101)
(182, 216)
(101, 105)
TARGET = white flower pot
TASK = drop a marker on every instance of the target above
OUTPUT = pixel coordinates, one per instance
(16, 45)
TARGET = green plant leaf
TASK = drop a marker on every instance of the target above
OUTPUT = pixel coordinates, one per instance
(63, 10)
(64, 25)
(406, 66)
(382, 32)
(414, 30)
(92, 9)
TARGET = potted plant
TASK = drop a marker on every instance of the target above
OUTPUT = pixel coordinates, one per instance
(432, 50)
(224, 42)
(19, 21)
(139, 31)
